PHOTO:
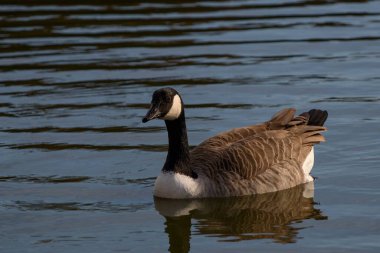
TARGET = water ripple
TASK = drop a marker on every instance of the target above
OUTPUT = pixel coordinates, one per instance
(348, 100)
(76, 206)
(146, 182)
(40, 179)
(111, 129)
(67, 146)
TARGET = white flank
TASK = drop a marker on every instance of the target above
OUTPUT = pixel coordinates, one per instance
(308, 165)
(175, 110)
(177, 186)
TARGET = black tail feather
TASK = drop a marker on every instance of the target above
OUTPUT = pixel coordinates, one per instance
(316, 117)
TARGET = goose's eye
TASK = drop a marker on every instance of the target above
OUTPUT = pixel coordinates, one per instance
(168, 99)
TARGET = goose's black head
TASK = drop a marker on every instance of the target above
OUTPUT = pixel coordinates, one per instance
(166, 104)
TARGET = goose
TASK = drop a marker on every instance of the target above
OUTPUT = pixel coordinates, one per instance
(272, 156)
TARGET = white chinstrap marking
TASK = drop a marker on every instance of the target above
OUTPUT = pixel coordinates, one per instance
(308, 165)
(177, 186)
(175, 110)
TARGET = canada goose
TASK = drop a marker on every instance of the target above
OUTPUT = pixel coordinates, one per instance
(272, 156)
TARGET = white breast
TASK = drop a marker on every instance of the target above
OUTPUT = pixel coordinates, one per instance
(308, 165)
(177, 186)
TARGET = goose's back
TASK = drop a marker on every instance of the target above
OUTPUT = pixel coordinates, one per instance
(256, 159)
(280, 120)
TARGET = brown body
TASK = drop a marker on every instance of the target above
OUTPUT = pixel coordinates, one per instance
(257, 159)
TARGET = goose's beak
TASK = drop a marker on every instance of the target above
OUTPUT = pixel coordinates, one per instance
(153, 113)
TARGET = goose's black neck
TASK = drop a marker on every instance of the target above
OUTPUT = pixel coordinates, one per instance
(178, 158)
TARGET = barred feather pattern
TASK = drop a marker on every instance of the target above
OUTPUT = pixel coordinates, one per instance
(257, 159)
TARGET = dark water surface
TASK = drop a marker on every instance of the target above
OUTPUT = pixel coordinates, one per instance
(77, 166)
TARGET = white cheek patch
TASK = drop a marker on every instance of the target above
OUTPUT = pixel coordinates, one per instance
(175, 110)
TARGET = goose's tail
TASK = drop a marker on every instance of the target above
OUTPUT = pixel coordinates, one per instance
(312, 128)
(315, 117)
(286, 118)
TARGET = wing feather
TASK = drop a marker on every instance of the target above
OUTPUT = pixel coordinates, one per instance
(252, 156)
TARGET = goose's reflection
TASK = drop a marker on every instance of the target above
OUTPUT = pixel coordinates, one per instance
(265, 216)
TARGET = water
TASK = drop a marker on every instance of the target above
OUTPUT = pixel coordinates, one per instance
(77, 166)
